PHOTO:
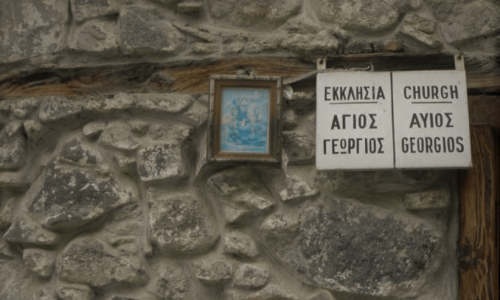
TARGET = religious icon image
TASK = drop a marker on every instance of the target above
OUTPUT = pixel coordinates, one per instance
(244, 124)
(244, 119)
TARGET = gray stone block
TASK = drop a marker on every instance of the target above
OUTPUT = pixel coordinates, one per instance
(359, 15)
(265, 14)
(180, 223)
(26, 232)
(31, 28)
(40, 262)
(146, 30)
(90, 261)
(72, 198)
(343, 243)
(87, 9)
(435, 199)
(251, 276)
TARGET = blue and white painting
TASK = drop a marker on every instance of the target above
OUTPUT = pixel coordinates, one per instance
(244, 120)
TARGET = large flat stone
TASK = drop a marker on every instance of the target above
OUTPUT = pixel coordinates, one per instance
(26, 232)
(146, 30)
(161, 162)
(96, 36)
(181, 223)
(360, 15)
(91, 261)
(30, 28)
(87, 9)
(471, 20)
(72, 198)
(266, 14)
(12, 146)
(58, 108)
(344, 243)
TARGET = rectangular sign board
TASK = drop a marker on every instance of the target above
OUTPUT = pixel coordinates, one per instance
(388, 120)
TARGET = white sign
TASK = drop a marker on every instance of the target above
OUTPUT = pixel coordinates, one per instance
(386, 120)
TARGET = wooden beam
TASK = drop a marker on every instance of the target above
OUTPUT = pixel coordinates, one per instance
(485, 110)
(192, 76)
(479, 213)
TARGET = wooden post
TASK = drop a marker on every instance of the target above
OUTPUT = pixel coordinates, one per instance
(478, 240)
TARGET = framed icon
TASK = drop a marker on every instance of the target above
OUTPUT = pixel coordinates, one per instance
(245, 119)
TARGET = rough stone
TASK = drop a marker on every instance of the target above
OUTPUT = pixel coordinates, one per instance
(96, 36)
(93, 129)
(302, 25)
(139, 127)
(378, 182)
(110, 104)
(236, 215)
(6, 213)
(358, 47)
(204, 35)
(242, 189)
(126, 165)
(360, 15)
(12, 146)
(233, 48)
(78, 154)
(205, 48)
(39, 261)
(299, 146)
(196, 114)
(58, 108)
(321, 296)
(181, 223)
(118, 136)
(87, 9)
(189, 7)
(434, 199)
(311, 44)
(266, 14)
(161, 162)
(471, 20)
(35, 131)
(291, 189)
(289, 119)
(170, 282)
(254, 199)
(13, 180)
(170, 103)
(214, 273)
(178, 133)
(272, 292)
(233, 181)
(73, 198)
(251, 276)
(20, 108)
(240, 244)
(280, 225)
(74, 292)
(29, 29)
(146, 30)
(27, 232)
(91, 261)
(343, 243)
(6, 251)
(421, 30)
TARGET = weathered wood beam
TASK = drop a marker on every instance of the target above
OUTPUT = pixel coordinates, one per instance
(483, 76)
(478, 238)
(485, 110)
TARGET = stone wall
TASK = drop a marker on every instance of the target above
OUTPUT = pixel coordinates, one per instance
(105, 193)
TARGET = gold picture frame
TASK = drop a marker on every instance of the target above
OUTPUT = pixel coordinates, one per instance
(245, 119)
